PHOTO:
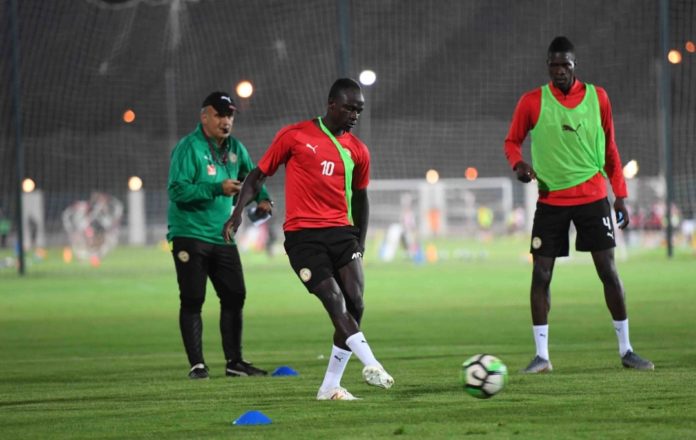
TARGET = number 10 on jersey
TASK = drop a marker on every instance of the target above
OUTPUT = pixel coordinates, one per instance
(327, 168)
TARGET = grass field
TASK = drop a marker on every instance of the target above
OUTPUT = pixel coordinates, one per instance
(96, 353)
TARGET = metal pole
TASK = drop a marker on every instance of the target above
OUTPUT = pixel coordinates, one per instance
(16, 110)
(343, 7)
(366, 117)
(666, 114)
(169, 72)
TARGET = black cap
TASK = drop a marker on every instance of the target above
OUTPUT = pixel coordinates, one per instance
(222, 103)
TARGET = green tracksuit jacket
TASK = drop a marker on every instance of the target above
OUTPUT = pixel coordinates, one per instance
(197, 209)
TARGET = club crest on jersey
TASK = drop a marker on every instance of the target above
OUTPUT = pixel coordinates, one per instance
(536, 243)
(212, 170)
(183, 256)
(305, 274)
(232, 157)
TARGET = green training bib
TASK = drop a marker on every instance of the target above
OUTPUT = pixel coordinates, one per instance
(568, 145)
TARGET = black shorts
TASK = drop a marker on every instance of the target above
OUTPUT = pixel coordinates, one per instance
(316, 254)
(592, 221)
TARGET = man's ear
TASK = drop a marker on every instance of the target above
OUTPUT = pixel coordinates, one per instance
(575, 61)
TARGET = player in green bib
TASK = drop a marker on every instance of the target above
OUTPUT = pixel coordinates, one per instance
(565, 161)
(573, 153)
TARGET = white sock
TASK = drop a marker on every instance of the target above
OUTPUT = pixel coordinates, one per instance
(541, 339)
(358, 344)
(621, 328)
(334, 371)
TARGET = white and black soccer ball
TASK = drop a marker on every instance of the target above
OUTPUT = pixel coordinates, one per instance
(483, 376)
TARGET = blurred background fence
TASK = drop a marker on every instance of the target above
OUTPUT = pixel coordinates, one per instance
(105, 89)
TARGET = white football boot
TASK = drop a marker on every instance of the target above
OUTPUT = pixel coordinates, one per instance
(376, 376)
(338, 393)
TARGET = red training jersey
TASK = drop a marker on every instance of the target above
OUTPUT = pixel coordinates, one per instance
(315, 194)
(525, 118)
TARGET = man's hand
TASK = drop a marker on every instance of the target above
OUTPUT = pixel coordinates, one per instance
(252, 185)
(525, 172)
(230, 187)
(264, 207)
(231, 225)
(622, 219)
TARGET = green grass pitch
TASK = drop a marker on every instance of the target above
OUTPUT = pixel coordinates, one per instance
(95, 352)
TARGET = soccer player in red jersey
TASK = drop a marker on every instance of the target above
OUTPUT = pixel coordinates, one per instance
(327, 210)
(573, 151)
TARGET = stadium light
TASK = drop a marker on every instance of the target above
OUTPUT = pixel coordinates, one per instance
(630, 169)
(135, 183)
(367, 77)
(674, 56)
(690, 47)
(128, 116)
(432, 176)
(28, 185)
(471, 173)
(245, 89)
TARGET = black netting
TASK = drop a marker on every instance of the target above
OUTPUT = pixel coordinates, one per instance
(449, 74)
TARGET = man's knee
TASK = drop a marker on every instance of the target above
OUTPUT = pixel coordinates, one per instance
(233, 302)
(542, 274)
(354, 301)
(358, 304)
(609, 277)
(191, 305)
(356, 309)
(606, 269)
(329, 293)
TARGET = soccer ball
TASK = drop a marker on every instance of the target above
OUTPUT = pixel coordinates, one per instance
(483, 376)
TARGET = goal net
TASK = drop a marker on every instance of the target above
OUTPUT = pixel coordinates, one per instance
(106, 89)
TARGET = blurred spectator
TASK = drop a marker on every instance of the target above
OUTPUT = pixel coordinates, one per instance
(5, 225)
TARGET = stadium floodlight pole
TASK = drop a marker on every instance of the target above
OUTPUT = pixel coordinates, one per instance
(169, 74)
(367, 78)
(16, 110)
(665, 105)
(343, 11)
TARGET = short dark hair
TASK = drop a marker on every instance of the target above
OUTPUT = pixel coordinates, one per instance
(342, 84)
(561, 44)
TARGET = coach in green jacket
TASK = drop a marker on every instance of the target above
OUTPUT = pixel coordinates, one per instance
(206, 170)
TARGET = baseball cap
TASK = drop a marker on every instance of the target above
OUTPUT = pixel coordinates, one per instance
(222, 102)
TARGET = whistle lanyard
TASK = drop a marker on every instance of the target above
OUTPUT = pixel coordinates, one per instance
(348, 165)
(222, 158)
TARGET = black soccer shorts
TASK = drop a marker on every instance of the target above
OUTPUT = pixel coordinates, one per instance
(316, 254)
(595, 228)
